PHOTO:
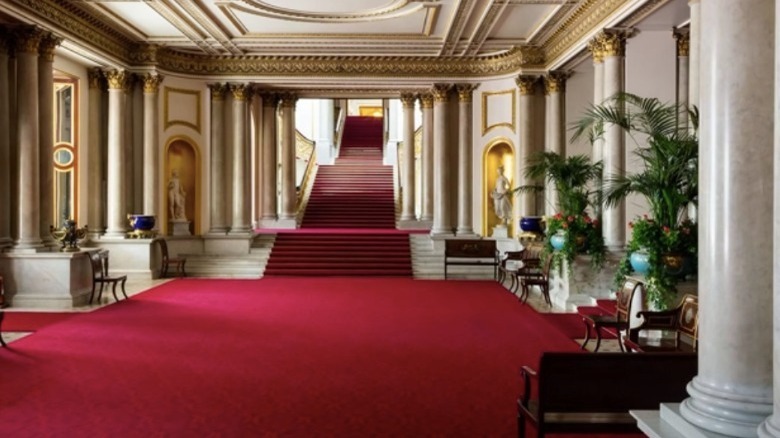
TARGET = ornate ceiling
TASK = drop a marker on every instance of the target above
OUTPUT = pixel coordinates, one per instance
(344, 37)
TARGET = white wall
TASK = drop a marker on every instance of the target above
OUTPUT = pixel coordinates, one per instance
(579, 97)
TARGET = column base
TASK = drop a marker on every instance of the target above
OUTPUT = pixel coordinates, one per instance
(28, 247)
(465, 231)
(442, 232)
(412, 224)
(240, 231)
(116, 234)
(427, 218)
(218, 231)
(736, 412)
(669, 423)
(770, 428)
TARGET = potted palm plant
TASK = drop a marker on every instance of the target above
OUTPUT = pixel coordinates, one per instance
(572, 230)
(668, 181)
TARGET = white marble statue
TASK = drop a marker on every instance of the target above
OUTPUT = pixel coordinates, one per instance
(500, 194)
(176, 198)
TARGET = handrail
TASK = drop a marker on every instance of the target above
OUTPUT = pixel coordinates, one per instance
(398, 180)
(341, 120)
(304, 150)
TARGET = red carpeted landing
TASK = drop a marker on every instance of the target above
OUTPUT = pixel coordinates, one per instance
(331, 357)
(32, 321)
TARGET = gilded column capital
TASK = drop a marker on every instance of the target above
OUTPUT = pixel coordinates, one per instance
(526, 83)
(240, 91)
(683, 43)
(465, 91)
(441, 92)
(130, 80)
(288, 99)
(426, 100)
(217, 91)
(95, 77)
(596, 50)
(152, 82)
(613, 41)
(555, 82)
(116, 79)
(27, 39)
(49, 42)
(270, 99)
(407, 100)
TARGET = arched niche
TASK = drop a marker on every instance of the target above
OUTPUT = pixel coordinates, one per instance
(499, 152)
(183, 156)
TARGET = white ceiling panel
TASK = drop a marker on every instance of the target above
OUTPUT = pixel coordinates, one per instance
(142, 17)
(521, 21)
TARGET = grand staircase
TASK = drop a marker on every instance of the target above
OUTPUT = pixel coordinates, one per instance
(348, 227)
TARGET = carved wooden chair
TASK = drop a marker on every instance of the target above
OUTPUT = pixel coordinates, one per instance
(540, 279)
(168, 261)
(682, 320)
(100, 276)
(619, 321)
(508, 268)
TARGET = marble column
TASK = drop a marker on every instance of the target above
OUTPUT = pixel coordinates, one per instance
(771, 426)
(614, 218)
(694, 42)
(151, 148)
(465, 162)
(129, 142)
(116, 172)
(28, 134)
(5, 147)
(426, 177)
(407, 173)
(289, 199)
(327, 130)
(597, 53)
(270, 208)
(683, 45)
(256, 141)
(442, 220)
(46, 137)
(732, 392)
(554, 140)
(217, 170)
(240, 208)
(526, 204)
(95, 210)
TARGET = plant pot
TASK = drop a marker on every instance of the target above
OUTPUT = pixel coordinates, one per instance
(676, 264)
(531, 224)
(557, 241)
(141, 222)
(580, 241)
(640, 262)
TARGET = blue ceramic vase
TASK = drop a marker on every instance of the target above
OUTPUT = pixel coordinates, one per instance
(141, 222)
(640, 262)
(531, 224)
(557, 241)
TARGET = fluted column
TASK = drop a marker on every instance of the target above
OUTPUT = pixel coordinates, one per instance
(116, 172)
(95, 156)
(289, 199)
(694, 59)
(732, 392)
(442, 222)
(614, 217)
(465, 170)
(407, 181)
(28, 134)
(217, 194)
(129, 143)
(240, 209)
(683, 44)
(256, 141)
(151, 151)
(426, 104)
(525, 206)
(597, 53)
(554, 140)
(46, 137)
(270, 208)
(5, 147)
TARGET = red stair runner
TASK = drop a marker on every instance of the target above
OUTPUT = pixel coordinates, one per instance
(356, 193)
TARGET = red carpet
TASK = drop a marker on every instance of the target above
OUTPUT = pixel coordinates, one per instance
(279, 357)
(348, 227)
(32, 321)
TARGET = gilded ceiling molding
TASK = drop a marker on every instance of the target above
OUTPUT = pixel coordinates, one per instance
(426, 100)
(116, 79)
(531, 56)
(407, 100)
(49, 42)
(555, 82)
(582, 21)
(95, 78)
(264, 9)
(152, 82)
(683, 43)
(526, 84)
(144, 54)
(465, 91)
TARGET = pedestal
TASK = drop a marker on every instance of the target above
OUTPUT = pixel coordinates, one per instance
(500, 231)
(581, 284)
(56, 280)
(180, 228)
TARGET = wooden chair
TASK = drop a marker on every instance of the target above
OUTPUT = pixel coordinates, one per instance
(682, 320)
(167, 261)
(2, 342)
(619, 321)
(541, 279)
(99, 261)
(506, 269)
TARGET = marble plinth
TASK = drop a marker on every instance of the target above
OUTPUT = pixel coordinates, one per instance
(500, 231)
(136, 258)
(180, 228)
(228, 244)
(582, 285)
(56, 280)
(668, 423)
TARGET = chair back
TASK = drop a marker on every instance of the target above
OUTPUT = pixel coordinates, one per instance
(688, 319)
(625, 297)
(163, 249)
(99, 262)
(546, 269)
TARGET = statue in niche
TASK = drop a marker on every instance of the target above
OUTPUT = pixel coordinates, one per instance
(176, 198)
(500, 194)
